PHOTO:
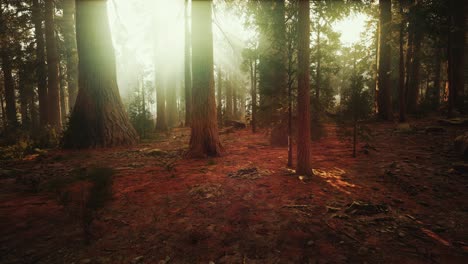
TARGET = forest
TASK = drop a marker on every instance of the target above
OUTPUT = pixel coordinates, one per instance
(233, 131)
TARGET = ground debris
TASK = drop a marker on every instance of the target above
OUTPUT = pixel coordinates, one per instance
(206, 191)
(248, 173)
(365, 208)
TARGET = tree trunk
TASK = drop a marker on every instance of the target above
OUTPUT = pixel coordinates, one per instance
(98, 118)
(220, 98)
(415, 73)
(204, 139)
(228, 111)
(188, 73)
(456, 55)
(384, 83)
(235, 107)
(9, 88)
(253, 94)
(41, 70)
(303, 103)
(161, 123)
(69, 36)
(63, 103)
(435, 95)
(319, 61)
(401, 71)
(23, 99)
(52, 68)
(171, 102)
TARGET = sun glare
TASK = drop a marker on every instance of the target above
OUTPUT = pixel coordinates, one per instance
(351, 28)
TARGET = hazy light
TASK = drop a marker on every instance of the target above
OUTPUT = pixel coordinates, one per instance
(351, 28)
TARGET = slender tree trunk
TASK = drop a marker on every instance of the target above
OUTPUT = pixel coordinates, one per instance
(319, 61)
(228, 111)
(235, 107)
(435, 95)
(41, 70)
(9, 88)
(171, 104)
(2, 108)
(401, 71)
(414, 80)
(188, 72)
(70, 53)
(204, 139)
(98, 118)
(63, 103)
(303, 103)
(161, 123)
(253, 94)
(52, 68)
(220, 98)
(384, 84)
(23, 99)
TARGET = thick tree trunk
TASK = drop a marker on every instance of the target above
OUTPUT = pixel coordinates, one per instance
(23, 99)
(401, 72)
(63, 103)
(414, 79)
(98, 118)
(303, 103)
(456, 55)
(188, 72)
(384, 83)
(161, 123)
(204, 139)
(319, 61)
(70, 53)
(52, 68)
(41, 70)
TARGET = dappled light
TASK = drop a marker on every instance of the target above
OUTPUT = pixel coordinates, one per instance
(233, 131)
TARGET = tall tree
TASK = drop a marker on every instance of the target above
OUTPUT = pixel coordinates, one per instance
(303, 97)
(188, 72)
(384, 83)
(219, 94)
(98, 118)
(171, 102)
(456, 54)
(8, 81)
(52, 68)
(41, 71)
(204, 139)
(71, 55)
(401, 70)
(161, 122)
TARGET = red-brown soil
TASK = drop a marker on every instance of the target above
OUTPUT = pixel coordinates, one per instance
(410, 205)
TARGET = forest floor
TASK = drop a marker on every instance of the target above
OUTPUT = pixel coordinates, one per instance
(400, 203)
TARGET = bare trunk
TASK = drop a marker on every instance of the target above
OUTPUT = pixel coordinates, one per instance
(41, 70)
(228, 111)
(401, 71)
(188, 72)
(171, 102)
(161, 123)
(253, 94)
(9, 89)
(70, 53)
(204, 139)
(303, 103)
(98, 118)
(384, 83)
(220, 97)
(52, 68)
(435, 95)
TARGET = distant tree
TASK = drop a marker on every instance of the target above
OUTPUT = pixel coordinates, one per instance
(161, 120)
(41, 71)
(98, 118)
(204, 139)
(303, 98)
(53, 91)
(219, 95)
(384, 85)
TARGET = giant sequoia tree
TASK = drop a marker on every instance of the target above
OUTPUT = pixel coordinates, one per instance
(53, 103)
(303, 96)
(98, 118)
(204, 139)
